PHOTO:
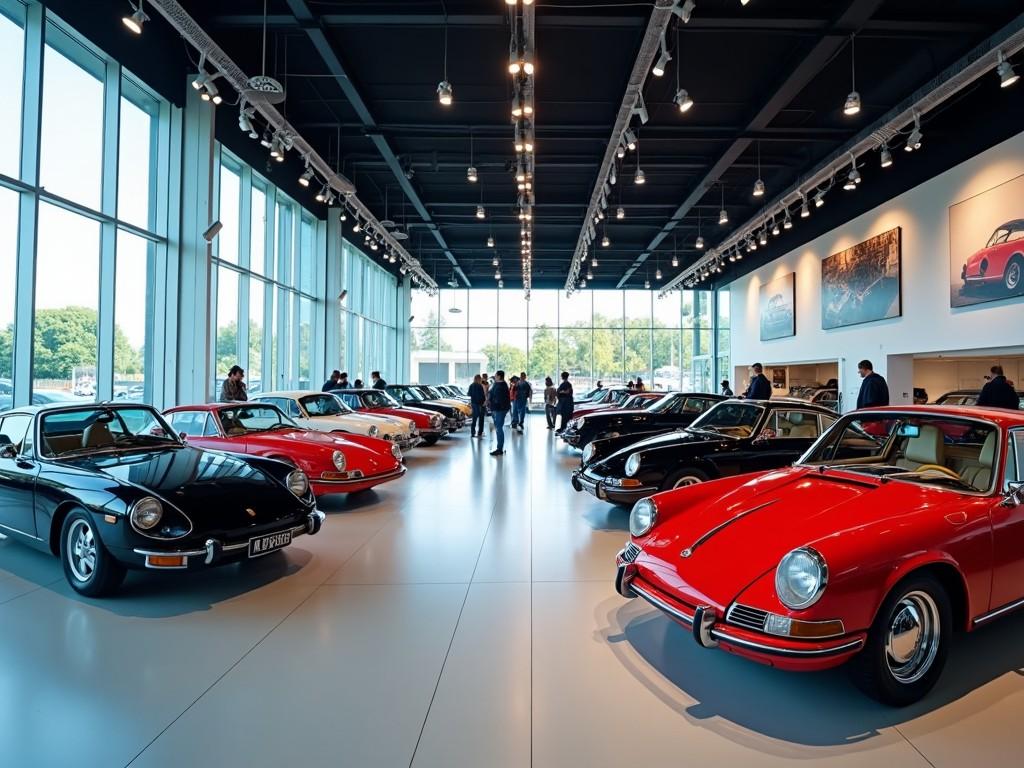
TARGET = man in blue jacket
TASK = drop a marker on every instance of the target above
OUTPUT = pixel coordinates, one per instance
(998, 392)
(760, 388)
(874, 392)
(498, 398)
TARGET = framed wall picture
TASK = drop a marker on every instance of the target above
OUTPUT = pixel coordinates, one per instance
(862, 283)
(777, 301)
(986, 245)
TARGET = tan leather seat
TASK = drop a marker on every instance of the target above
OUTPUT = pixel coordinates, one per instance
(97, 435)
(802, 426)
(926, 448)
(980, 475)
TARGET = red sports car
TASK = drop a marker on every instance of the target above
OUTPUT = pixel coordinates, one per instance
(334, 462)
(429, 423)
(1000, 262)
(898, 526)
(604, 400)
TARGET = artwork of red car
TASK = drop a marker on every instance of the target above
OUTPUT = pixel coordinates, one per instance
(1001, 262)
(333, 462)
(898, 527)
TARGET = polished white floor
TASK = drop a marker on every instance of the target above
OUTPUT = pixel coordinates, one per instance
(462, 616)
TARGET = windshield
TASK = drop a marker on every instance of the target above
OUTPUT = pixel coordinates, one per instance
(931, 449)
(428, 393)
(665, 404)
(407, 395)
(731, 418)
(103, 428)
(323, 405)
(245, 419)
(999, 236)
(375, 398)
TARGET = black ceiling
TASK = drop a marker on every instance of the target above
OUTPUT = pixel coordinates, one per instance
(772, 74)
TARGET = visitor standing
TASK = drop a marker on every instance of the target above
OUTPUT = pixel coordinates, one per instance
(874, 392)
(358, 384)
(332, 382)
(487, 391)
(726, 390)
(343, 383)
(376, 381)
(233, 388)
(998, 392)
(565, 402)
(498, 398)
(477, 401)
(760, 388)
(640, 385)
(522, 398)
(512, 383)
(550, 398)
(630, 387)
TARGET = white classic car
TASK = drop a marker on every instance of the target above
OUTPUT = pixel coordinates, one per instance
(325, 412)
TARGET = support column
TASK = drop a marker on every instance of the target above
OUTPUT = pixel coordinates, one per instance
(334, 355)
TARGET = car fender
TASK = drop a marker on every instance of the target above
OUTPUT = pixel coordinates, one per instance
(923, 560)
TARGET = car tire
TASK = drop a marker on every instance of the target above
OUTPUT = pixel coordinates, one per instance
(429, 441)
(684, 477)
(88, 567)
(1013, 274)
(900, 669)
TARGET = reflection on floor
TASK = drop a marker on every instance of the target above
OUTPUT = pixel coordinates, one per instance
(462, 616)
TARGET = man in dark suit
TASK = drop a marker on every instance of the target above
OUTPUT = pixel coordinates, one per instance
(998, 392)
(760, 388)
(874, 392)
(376, 381)
(332, 382)
(500, 401)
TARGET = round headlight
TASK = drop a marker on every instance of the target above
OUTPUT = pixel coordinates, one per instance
(396, 451)
(588, 453)
(297, 482)
(146, 513)
(373, 431)
(643, 517)
(436, 420)
(800, 578)
(633, 464)
(340, 462)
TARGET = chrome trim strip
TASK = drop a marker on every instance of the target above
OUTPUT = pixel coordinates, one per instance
(690, 549)
(998, 612)
(660, 604)
(797, 652)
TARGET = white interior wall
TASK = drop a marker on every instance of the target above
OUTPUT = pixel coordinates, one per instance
(941, 375)
(928, 324)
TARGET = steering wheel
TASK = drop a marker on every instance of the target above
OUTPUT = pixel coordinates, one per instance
(940, 468)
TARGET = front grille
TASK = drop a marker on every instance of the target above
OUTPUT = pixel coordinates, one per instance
(631, 552)
(747, 617)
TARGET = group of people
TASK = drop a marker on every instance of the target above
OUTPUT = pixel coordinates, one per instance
(339, 380)
(233, 389)
(499, 397)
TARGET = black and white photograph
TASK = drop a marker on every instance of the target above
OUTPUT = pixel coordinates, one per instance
(862, 283)
(777, 301)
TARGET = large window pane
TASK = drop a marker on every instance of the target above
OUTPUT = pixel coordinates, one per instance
(8, 277)
(65, 333)
(483, 308)
(512, 309)
(305, 343)
(512, 350)
(575, 355)
(135, 161)
(12, 52)
(306, 242)
(71, 151)
(667, 370)
(483, 349)
(544, 308)
(258, 231)
(608, 362)
(257, 294)
(638, 354)
(638, 309)
(607, 309)
(453, 309)
(227, 321)
(576, 310)
(133, 318)
(230, 201)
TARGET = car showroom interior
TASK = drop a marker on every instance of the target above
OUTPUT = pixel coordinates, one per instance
(509, 383)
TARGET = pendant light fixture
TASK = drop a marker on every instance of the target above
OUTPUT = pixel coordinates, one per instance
(638, 177)
(471, 175)
(490, 241)
(1007, 75)
(445, 93)
(852, 105)
(787, 222)
(723, 216)
(885, 157)
(663, 59)
(620, 213)
(699, 244)
(657, 273)
(682, 98)
(675, 248)
(759, 184)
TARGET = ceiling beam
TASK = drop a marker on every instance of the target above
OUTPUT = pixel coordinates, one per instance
(323, 46)
(857, 13)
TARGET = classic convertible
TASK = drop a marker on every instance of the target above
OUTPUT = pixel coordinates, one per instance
(674, 410)
(110, 487)
(335, 463)
(430, 425)
(899, 526)
(732, 437)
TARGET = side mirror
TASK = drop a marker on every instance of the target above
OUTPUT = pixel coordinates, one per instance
(8, 451)
(1014, 495)
(183, 436)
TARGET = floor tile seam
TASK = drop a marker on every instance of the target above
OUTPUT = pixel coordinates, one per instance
(451, 640)
(32, 591)
(913, 745)
(387, 521)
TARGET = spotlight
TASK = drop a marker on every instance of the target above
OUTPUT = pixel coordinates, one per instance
(266, 139)
(612, 177)
(663, 59)
(620, 213)
(480, 212)
(490, 241)
(471, 175)
(497, 274)
(640, 109)
(657, 274)
(137, 19)
(699, 244)
(210, 92)
(600, 215)
(685, 11)
(583, 284)
(630, 139)
(517, 106)
(321, 196)
(593, 262)
(683, 100)
(357, 226)
(343, 216)
(759, 188)
(819, 198)
(914, 140)
(501, 283)
(886, 156)
(245, 125)
(444, 93)
(787, 223)
(775, 228)
(620, 152)
(723, 217)
(374, 246)
(307, 176)
(852, 180)
(762, 238)
(804, 210)
(1007, 75)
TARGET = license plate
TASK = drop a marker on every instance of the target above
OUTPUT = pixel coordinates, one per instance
(263, 545)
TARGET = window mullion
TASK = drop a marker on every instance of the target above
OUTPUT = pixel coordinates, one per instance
(108, 230)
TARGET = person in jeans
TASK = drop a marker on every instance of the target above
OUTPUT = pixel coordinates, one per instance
(522, 396)
(512, 384)
(477, 400)
(550, 398)
(498, 399)
(487, 391)
(565, 401)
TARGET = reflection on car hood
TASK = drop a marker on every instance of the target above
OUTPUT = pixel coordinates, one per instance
(677, 439)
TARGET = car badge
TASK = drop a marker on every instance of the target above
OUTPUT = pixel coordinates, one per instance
(250, 511)
(686, 552)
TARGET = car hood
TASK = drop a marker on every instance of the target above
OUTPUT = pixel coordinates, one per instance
(675, 440)
(733, 539)
(383, 421)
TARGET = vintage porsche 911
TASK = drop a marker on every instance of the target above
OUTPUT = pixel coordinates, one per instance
(897, 527)
(110, 487)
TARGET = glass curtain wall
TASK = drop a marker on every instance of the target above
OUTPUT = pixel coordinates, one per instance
(607, 336)
(369, 318)
(78, 282)
(266, 283)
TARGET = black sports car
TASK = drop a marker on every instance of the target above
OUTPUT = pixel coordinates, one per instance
(415, 397)
(965, 397)
(109, 487)
(731, 438)
(674, 410)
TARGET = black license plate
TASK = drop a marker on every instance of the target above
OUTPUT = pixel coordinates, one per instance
(263, 545)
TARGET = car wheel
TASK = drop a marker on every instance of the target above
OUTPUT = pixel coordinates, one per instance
(88, 567)
(908, 643)
(428, 441)
(684, 477)
(1013, 274)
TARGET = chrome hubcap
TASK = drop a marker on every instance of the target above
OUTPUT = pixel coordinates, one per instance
(682, 482)
(81, 550)
(912, 640)
(1013, 275)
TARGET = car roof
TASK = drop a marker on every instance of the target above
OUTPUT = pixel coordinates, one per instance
(354, 391)
(1011, 224)
(792, 402)
(32, 410)
(962, 392)
(1001, 416)
(295, 393)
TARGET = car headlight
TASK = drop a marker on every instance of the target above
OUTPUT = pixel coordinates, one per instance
(643, 517)
(633, 464)
(588, 453)
(340, 462)
(435, 420)
(800, 578)
(373, 431)
(387, 436)
(297, 482)
(146, 513)
(396, 451)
